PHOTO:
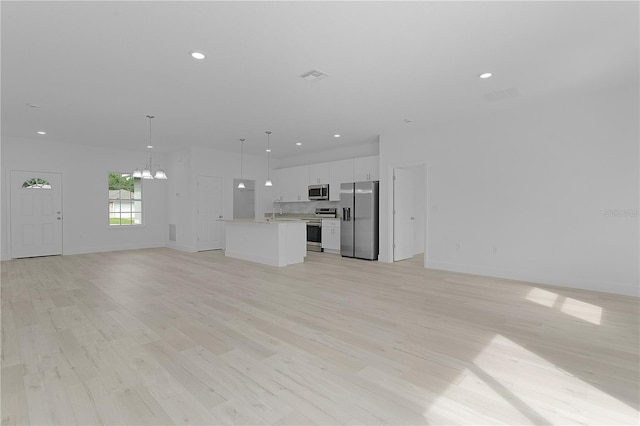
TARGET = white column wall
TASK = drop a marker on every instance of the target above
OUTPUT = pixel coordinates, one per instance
(179, 199)
(419, 207)
(186, 165)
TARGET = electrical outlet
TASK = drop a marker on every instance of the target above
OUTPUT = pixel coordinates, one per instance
(495, 250)
(457, 246)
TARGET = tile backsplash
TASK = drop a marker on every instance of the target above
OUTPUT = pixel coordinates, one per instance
(308, 207)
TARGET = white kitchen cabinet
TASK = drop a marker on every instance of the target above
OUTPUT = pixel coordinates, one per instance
(299, 183)
(291, 183)
(340, 172)
(366, 169)
(331, 235)
(319, 174)
(281, 186)
(269, 242)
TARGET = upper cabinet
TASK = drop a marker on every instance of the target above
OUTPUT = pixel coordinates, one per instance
(366, 169)
(341, 172)
(319, 173)
(299, 183)
(291, 183)
(280, 178)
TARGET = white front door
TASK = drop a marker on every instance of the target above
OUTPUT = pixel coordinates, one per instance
(403, 216)
(209, 211)
(36, 214)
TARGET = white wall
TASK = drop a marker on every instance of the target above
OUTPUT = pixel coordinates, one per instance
(244, 200)
(173, 201)
(187, 165)
(536, 182)
(85, 194)
(419, 207)
(336, 153)
(179, 199)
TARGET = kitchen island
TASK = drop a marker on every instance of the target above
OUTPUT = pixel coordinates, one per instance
(271, 242)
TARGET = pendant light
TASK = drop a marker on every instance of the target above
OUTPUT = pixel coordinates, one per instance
(241, 184)
(268, 182)
(146, 172)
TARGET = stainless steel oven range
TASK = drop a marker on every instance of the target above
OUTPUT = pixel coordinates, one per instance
(314, 227)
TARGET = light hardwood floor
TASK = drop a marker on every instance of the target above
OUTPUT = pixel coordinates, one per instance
(165, 337)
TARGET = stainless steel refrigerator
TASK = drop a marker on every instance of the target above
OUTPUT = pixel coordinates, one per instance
(359, 224)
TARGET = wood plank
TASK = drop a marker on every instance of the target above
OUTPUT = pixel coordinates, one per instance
(14, 400)
(164, 337)
(10, 347)
(137, 406)
(203, 387)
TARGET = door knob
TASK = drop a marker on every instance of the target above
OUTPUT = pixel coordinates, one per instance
(219, 217)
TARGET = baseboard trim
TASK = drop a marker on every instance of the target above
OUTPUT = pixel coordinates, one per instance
(625, 289)
(252, 258)
(102, 249)
(180, 247)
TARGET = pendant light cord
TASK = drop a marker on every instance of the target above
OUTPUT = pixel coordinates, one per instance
(150, 144)
(241, 156)
(268, 155)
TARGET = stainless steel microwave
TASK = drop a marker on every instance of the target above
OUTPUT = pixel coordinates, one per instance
(319, 192)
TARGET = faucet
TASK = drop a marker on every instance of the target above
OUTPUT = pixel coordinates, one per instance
(273, 208)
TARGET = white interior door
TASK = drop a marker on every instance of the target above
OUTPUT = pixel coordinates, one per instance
(36, 214)
(403, 214)
(209, 211)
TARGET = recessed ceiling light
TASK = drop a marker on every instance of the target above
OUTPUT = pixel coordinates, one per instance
(42, 133)
(149, 146)
(336, 136)
(298, 143)
(197, 55)
(268, 150)
(485, 75)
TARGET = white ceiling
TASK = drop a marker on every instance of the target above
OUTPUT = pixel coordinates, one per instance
(96, 69)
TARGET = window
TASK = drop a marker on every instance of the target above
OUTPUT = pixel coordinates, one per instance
(36, 183)
(125, 199)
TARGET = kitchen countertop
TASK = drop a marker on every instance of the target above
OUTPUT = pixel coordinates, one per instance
(301, 216)
(265, 220)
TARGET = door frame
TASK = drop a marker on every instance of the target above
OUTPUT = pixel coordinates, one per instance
(9, 210)
(425, 186)
(394, 234)
(196, 210)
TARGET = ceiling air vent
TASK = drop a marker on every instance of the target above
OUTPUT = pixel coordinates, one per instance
(501, 95)
(314, 75)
